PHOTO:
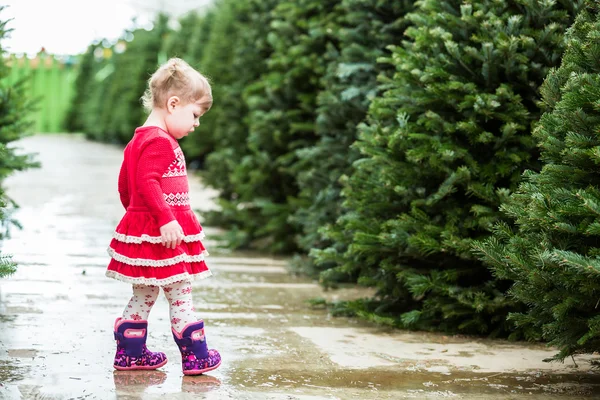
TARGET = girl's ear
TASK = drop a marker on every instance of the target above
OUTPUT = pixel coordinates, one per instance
(173, 102)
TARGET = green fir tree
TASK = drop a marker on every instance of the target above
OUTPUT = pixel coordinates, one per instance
(15, 122)
(74, 120)
(197, 146)
(281, 114)
(196, 44)
(441, 149)
(111, 81)
(176, 43)
(553, 253)
(216, 63)
(365, 29)
(246, 31)
(93, 110)
(132, 69)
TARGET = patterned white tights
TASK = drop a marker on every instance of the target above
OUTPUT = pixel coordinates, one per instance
(181, 307)
(141, 302)
(179, 296)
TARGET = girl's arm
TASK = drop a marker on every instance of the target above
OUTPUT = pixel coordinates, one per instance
(154, 161)
(124, 185)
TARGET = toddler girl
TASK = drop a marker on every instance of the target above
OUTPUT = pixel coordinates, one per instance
(157, 243)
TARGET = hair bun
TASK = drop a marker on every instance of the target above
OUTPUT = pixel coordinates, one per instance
(175, 77)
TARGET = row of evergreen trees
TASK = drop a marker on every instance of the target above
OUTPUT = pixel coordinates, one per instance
(15, 122)
(397, 144)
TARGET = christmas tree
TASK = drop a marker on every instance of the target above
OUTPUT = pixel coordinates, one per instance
(440, 151)
(222, 32)
(234, 56)
(177, 43)
(111, 81)
(15, 122)
(75, 121)
(552, 254)
(244, 32)
(196, 30)
(364, 30)
(281, 105)
(128, 81)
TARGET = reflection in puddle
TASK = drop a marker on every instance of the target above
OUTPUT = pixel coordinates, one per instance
(140, 383)
(7, 318)
(9, 372)
(199, 384)
(126, 380)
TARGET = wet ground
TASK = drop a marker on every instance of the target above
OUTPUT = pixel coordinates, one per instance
(57, 311)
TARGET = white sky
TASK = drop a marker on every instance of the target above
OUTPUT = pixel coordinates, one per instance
(69, 26)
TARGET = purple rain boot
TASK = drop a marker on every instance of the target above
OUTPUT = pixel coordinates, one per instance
(132, 352)
(196, 359)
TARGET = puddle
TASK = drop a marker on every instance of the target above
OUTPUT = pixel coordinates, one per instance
(7, 318)
(11, 371)
(397, 381)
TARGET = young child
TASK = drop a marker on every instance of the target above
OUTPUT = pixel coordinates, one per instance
(158, 241)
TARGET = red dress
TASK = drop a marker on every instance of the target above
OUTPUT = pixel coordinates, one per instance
(154, 190)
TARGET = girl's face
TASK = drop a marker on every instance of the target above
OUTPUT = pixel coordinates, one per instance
(183, 118)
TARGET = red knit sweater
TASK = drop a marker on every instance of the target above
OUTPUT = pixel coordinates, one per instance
(153, 175)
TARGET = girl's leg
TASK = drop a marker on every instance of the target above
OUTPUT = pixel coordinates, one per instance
(181, 309)
(131, 332)
(144, 297)
(188, 331)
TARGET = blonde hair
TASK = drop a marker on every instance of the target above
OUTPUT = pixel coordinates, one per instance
(176, 78)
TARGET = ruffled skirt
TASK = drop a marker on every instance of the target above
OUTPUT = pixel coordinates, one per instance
(138, 257)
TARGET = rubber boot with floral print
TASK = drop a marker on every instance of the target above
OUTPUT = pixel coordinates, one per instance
(196, 358)
(132, 352)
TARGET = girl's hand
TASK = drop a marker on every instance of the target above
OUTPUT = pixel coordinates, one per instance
(171, 234)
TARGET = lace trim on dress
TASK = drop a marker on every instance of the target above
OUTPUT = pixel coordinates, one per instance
(144, 262)
(158, 282)
(153, 239)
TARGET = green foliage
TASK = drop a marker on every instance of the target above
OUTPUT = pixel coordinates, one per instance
(552, 253)
(441, 148)
(132, 69)
(196, 44)
(191, 43)
(92, 88)
(364, 29)
(244, 36)
(7, 266)
(106, 104)
(14, 107)
(178, 43)
(233, 55)
(15, 111)
(74, 121)
(281, 111)
(222, 31)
